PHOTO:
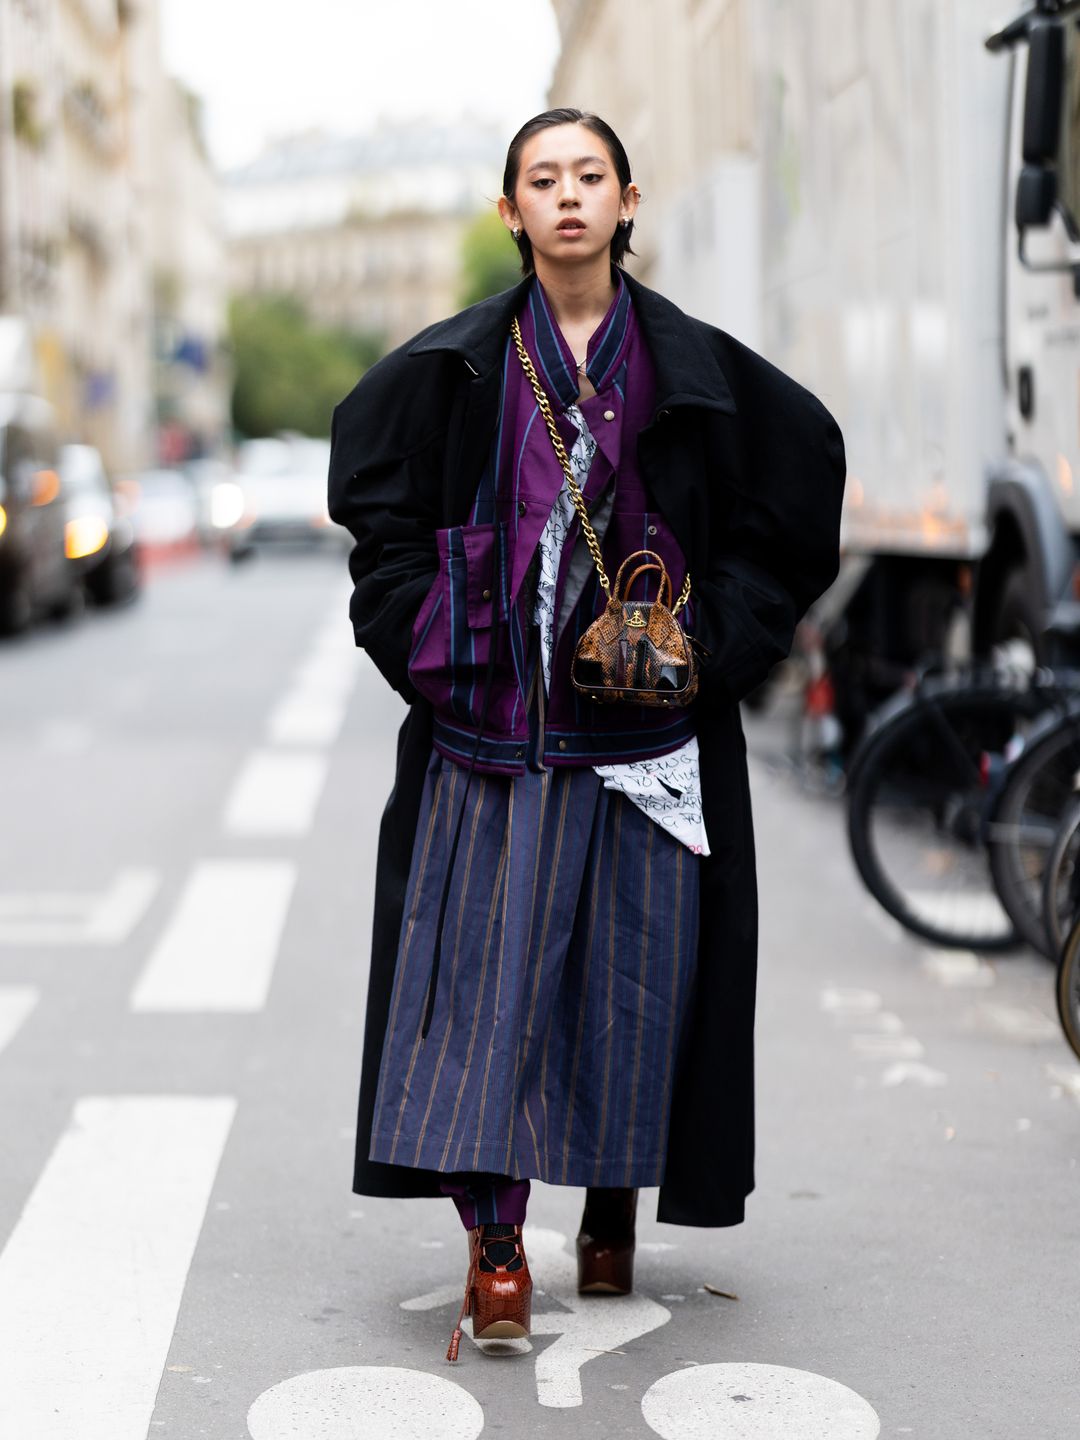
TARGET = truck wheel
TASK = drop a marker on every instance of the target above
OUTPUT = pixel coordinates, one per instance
(1017, 628)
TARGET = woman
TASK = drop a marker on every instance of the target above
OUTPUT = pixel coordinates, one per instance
(564, 956)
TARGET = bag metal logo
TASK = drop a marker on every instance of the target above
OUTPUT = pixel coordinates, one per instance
(637, 620)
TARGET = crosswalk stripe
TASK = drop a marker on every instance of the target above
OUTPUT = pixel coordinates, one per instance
(16, 1003)
(304, 717)
(275, 794)
(217, 951)
(92, 1276)
(79, 918)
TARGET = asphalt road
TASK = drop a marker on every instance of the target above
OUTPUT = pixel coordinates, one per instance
(191, 794)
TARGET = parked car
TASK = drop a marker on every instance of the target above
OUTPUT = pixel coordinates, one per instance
(100, 536)
(37, 576)
(212, 477)
(278, 495)
(164, 512)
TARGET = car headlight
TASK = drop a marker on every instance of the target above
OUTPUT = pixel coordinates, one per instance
(226, 504)
(85, 535)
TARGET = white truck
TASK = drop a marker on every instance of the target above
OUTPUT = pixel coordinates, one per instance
(920, 165)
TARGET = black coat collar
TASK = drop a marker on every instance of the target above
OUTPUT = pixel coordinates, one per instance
(687, 371)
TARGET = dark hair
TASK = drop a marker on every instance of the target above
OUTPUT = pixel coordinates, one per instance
(569, 115)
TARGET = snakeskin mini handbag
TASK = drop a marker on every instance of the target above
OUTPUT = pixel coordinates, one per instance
(636, 650)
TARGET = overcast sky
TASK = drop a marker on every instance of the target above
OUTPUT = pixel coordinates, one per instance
(265, 70)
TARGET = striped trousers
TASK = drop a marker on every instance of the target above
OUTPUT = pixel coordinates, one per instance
(568, 959)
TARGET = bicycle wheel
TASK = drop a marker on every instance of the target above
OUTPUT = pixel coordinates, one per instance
(921, 790)
(1038, 791)
(1061, 882)
(1068, 988)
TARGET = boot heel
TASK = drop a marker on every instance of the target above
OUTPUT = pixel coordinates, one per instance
(605, 1242)
(604, 1269)
(498, 1299)
(502, 1317)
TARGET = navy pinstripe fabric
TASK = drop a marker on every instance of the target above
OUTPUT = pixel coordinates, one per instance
(568, 958)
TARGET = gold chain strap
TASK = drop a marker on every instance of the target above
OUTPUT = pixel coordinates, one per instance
(564, 461)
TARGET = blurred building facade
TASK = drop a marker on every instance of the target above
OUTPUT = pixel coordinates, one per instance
(103, 185)
(179, 209)
(676, 83)
(364, 231)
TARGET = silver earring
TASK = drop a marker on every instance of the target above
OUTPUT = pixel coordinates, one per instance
(625, 220)
(515, 232)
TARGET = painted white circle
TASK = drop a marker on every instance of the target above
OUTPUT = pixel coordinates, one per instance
(756, 1402)
(354, 1402)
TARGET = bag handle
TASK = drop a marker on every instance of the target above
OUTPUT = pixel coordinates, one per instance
(657, 564)
(665, 583)
(572, 485)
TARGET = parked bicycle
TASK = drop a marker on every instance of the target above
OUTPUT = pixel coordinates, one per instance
(1068, 987)
(1061, 882)
(1061, 917)
(1028, 837)
(955, 795)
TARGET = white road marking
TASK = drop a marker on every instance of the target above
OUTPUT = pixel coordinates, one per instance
(886, 1039)
(92, 1276)
(312, 711)
(886, 1047)
(1024, 1023)
(218, 950)
(883, 1022)
(275, 794)
(56, 918)
(586, 1327)
(756, 1402)
(16, 1003)
(979, 913)
(905, 1070)
(1067, 1077)
(958, 968)
(326, 671)
(302, 718)
(388, 1401)
(845, 1001)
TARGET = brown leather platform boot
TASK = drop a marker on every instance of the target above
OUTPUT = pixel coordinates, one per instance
(498, 1288)
(605, 1242)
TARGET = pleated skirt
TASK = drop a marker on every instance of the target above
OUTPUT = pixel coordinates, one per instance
(569, 952)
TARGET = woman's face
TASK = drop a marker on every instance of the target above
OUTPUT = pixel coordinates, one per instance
(566, 174)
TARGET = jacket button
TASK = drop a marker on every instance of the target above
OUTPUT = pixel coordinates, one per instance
(522, 507)
(662, 414)
(609, 414)
(652, 531)
(562, 744)
(519, 754)
(487, 594)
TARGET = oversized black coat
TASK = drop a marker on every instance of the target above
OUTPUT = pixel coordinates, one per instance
(748, 468)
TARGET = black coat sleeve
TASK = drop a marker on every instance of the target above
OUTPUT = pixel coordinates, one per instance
(777, 545)
(385, 486)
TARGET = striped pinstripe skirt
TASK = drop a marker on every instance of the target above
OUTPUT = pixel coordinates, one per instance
(568, 956)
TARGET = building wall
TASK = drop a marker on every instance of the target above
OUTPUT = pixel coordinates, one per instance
(100, 175)
(31, 188)
(390, 275)
(365, 231)
(676, 83)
